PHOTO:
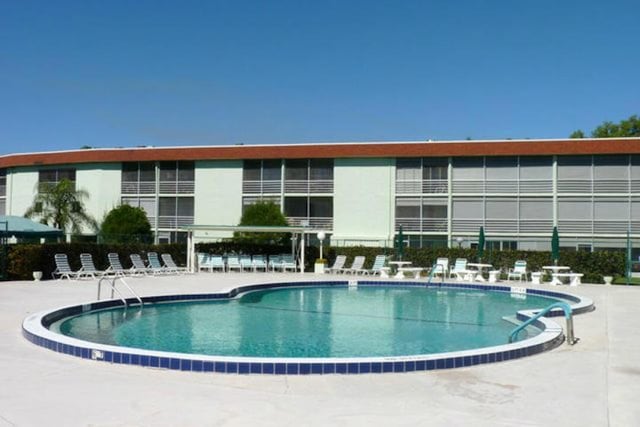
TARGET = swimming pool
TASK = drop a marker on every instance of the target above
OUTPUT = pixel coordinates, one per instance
(296, 328)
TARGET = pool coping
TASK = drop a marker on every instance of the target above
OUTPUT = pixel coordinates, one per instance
(35, 329)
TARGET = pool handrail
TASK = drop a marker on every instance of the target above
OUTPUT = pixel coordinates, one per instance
(571, 339)
(112, 282)
(433, 271)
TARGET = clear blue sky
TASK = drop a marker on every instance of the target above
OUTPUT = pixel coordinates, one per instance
(127, 73)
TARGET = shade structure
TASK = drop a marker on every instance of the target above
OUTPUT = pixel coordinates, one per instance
(17, 226)
(555, 246)
(481, 244)
(400, 245)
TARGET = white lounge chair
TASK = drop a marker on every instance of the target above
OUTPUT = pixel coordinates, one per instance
(519, 271)
(115, 266)
(288, 262)
(63, 269)
(441, 267)
(338, 264)
(233, 263)
(155, 265)
(356, 266)
(378, 265)
(259, 263)
(274, 262)
(216, 262)
(171, 265)
(88, 267)
(137, 265)
(459, 270)
(246, 264)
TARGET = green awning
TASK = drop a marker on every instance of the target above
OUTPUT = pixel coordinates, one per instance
(24, 227)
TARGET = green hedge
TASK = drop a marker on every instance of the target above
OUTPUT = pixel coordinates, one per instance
(593, 265)
(26, 258)
(23, 259)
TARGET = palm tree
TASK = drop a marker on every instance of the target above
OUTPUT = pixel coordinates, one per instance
(62, 206)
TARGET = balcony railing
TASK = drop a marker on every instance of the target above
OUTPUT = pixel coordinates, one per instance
(535, 186)
(262, 187)
(422, 224)
(174, 221)
(179, 187)
(535, 225)
(308, 186)
(325, 223)
(138, 187)
(575, 186)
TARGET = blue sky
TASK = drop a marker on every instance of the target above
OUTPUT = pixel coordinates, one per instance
(128, 73)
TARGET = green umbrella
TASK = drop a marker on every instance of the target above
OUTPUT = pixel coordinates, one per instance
(481, 244)
(400, 245)
(555, 246)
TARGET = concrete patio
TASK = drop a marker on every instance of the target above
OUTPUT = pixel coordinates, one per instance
(594, 383)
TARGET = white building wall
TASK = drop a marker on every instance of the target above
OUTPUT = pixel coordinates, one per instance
(21, 188)
(102, 183)
(218, 195)
(363, 207)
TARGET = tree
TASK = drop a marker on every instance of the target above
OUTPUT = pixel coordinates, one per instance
(126, 224)
(263, 213)
(62, 206)
(626, 128)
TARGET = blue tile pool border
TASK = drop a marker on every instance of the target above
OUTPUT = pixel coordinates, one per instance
(35, 329)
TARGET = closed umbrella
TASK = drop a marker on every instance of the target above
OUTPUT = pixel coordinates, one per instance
(400, 245)
(481, 244)
(555, 246)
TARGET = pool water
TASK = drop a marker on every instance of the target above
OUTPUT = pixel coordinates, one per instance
(324, 321)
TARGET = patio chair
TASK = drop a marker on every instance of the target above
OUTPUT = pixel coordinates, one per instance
(519, 271)
(275, 262)
(88, 267)
(378, 265)
(338, 264)
(171, 264)
(246, 264)
(441, 267)
(288, 262)
(63, 269)
(233, 263)
(216, 262)
(356, 266)
(259, 263)
(138, 266)
(204, 261)
(115, 266)
(459, 270)
(155, 265)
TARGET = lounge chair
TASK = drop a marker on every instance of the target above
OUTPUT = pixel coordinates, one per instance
(233, 263)
(217, 262)
(356, 266)
(259, 263)
(204, 261)
(88, 267)
(246, 264)
(288, 262)
(338, 264)
(519, 271)
(115, 267)
(63, 269)
(171, 265)
(138, 266)
(459, 270)
(155, 265)
(275, 261)
(441, 267)
(378, 265)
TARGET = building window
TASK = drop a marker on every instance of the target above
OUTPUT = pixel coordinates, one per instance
(174, 212)
(138, 178)
(262, 176)
(51, 177)
(177, 177)
(3, 182)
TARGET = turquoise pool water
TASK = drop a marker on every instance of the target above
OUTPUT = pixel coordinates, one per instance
(320, 321)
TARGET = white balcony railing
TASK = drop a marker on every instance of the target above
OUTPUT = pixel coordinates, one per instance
(137, 187)
(262, 187)
(180, 187)
(575, 186)
(325, 223)
(174, 221)
(422, 224)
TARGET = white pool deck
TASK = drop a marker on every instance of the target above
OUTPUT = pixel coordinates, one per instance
(594, 383)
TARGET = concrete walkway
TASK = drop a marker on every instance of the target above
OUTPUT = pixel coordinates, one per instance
(594, 383)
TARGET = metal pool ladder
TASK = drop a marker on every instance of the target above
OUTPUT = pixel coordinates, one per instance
(112, 283)
(571, 339)
(433, 271)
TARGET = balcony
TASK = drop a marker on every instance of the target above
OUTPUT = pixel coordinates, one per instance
(262, 187)
(179, 187)
(174, 222)
(308, 186)
(325, 223)
(137, 187)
